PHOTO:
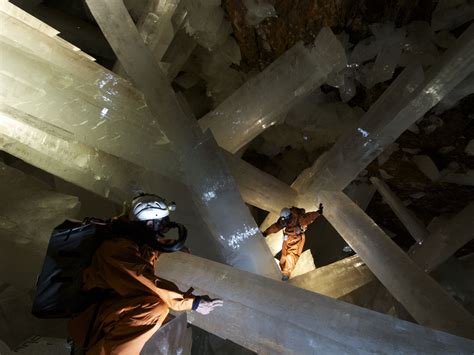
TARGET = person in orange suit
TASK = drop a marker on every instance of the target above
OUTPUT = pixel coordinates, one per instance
(294, 222)
(137, 302)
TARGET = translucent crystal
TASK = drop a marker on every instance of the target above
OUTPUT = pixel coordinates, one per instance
(337, 279)
(418, 46)
(407, 99)
(60, 87)
(256, 104)
(170, 339)
(32, 201)
(426, 301)
(409, 220)
(365, 50)
(257, 11)
(304, 265)
(213, 188)
(444, 240)
(51, 150)
(463, 89)
(388, 57)
(426, 165)
(255, 315)
(258, 188)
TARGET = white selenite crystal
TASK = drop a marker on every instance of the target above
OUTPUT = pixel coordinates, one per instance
(465, 179)
(337, 279)
(257, 11)
(427, 167)
(64, 89)
(304, 265)
(406, 100)
(418, 46)
(383, 158)
(28, 199)
(213, 188)
(450, 14)
(409, 220)
(257, 103)
(418, 292)
(115, 179)
(390, 50)
(463, 89)
(365, 50)
(255, 306)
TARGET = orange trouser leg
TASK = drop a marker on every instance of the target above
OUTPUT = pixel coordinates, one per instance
(291, 252)
(123, 325)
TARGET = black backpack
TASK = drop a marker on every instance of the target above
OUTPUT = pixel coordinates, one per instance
(72, 245)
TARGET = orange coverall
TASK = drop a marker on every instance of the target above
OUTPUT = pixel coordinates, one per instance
(139, 303)
(293, 237)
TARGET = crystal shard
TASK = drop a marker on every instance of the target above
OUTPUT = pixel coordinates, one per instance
(255, 315)
(213, 188)
(258, 102)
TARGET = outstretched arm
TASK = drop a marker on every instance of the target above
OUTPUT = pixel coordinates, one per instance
(275, 227)
(308, 218)
(125, 271)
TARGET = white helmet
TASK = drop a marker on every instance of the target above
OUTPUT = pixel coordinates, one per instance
(285, 213)
(148, 207)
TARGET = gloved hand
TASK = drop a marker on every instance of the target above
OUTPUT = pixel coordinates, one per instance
(320, 209)
(206, 305)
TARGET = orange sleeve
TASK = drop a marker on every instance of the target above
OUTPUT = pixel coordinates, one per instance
(124, 270)
(275, 227)
(308, 218)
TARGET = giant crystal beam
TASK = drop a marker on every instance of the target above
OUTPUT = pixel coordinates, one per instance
(48, 81)
(52, 89)
(407, 99)
(426, 301)
(445, 240)
(213, 187)
(267, 316)
(259, 188)
(337, 279)
(257, 104)
(55, 151)
(408, 218)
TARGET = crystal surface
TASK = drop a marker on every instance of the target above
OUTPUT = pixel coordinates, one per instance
(213, 188)
(259, 188)
(444, 240)
(62, 88)
(258, 102)
(419, 46)
(337, 279)
(407, 99)
(256, 314)
(83, 115)
(423, 298)
(426, 165)
(304, 265)
(409, 220)
(170, 339)
(257, 11)
(463, 89)
(118, 180)
(388, 57)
